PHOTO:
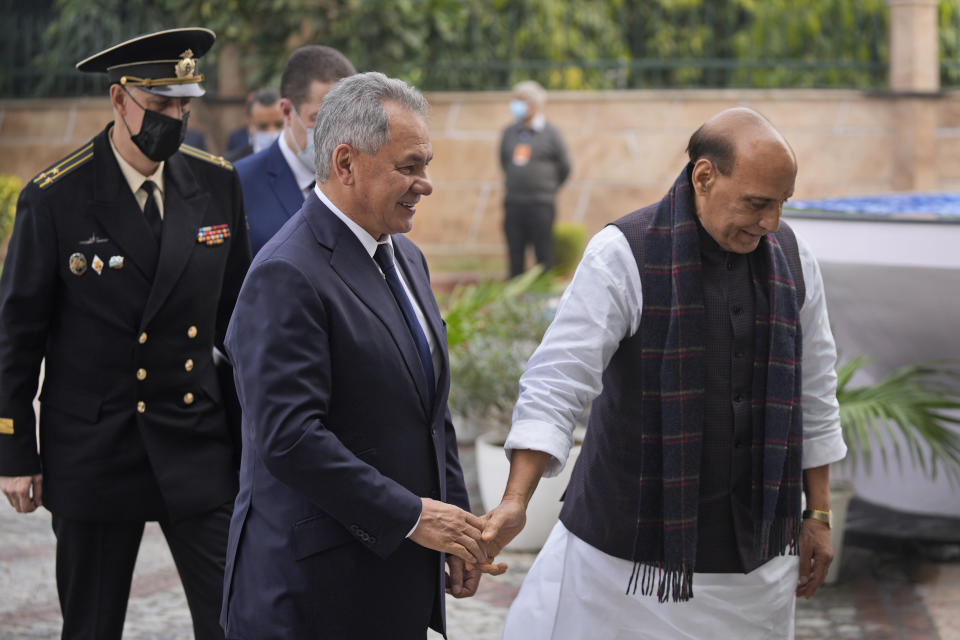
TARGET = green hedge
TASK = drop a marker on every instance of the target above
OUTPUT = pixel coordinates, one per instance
(9, 191)
(569, 241)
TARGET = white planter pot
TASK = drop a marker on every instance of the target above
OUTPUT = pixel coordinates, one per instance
(493, 468)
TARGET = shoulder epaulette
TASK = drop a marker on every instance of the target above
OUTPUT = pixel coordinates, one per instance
(200, 154)
(46, 178)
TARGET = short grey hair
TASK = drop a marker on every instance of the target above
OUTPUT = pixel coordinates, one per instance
(352, 113)
(531, 91)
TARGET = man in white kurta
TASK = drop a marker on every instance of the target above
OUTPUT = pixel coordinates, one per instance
(575, 590)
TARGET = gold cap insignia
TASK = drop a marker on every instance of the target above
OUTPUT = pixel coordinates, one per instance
(187, 67)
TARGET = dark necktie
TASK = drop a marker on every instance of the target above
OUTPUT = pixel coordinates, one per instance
(384, 257)
(151, 211)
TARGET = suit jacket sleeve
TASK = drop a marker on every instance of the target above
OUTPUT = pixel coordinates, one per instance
(456, 487)
(27, 299)
(278, 340)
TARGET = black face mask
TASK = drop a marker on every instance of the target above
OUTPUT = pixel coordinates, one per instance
(160, 136)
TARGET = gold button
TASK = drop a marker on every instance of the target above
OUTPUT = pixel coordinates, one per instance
(192, 332)
(141, 374)
(188, 365)
(141, 406)
(143, 338)
(188, 398)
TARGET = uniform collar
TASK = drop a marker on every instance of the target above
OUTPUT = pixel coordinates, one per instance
(133, 177)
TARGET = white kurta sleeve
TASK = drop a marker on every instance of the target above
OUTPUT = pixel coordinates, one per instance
(601, 306)
(822, 438)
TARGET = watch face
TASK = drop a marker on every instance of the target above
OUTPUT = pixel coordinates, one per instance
(817, 514)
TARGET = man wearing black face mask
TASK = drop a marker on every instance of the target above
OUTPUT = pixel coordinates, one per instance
(122, 272)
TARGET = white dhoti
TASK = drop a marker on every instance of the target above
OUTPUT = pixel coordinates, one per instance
(577, 592)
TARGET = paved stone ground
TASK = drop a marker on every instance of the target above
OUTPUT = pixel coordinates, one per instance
(885, 591)
(880, 595)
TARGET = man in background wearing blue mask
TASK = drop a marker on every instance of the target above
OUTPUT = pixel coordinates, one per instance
(264, 125)
(275, 181)
(534, 160)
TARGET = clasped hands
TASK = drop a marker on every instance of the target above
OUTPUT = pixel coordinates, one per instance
(470, 542)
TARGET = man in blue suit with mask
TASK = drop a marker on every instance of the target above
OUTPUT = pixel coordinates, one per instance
(275, 181)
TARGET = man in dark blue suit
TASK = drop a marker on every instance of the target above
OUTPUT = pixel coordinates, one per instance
(275, 181)
(351, 498)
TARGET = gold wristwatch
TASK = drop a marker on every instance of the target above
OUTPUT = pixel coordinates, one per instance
(817, 514)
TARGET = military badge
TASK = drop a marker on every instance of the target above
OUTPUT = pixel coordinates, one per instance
(187, 66)
(213, 235)
(97, 264)
(77, 264)
(116, 262)
(6, 426)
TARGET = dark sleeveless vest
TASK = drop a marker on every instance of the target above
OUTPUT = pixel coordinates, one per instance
(601, 500)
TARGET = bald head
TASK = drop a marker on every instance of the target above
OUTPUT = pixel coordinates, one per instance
(742, 171)
(732, 133)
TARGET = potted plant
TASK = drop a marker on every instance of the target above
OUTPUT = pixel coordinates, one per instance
(911, 406)
(492, 328)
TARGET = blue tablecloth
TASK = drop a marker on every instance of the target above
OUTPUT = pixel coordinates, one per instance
(913, 207)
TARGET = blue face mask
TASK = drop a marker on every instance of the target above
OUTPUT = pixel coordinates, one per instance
(518, 108)
(260, 140)
(308, 156)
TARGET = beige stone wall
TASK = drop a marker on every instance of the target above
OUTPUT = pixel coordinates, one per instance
(626, 147)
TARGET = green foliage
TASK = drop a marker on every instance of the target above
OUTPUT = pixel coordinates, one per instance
(9, 191)
(949, 21)
(491, 44)
(83, 28)
(487, 44)
(910, 403)
(807, 32)
(492, 329)
(569, 241)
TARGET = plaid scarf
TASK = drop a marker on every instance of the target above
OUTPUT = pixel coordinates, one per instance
(672, 384)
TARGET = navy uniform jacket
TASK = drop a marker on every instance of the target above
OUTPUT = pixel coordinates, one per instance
(131, 420)
(339, 443)
(270, 193)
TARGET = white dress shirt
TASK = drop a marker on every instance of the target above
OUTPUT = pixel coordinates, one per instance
(370, 245)
(302, 175)
(136, 179)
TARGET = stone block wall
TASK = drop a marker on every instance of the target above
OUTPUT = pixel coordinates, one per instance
(626, 148)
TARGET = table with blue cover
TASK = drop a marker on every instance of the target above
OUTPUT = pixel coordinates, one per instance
(891, 269)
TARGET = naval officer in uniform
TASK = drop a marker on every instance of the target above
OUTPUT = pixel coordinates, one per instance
(122, 272)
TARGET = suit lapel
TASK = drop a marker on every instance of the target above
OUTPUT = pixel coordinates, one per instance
(116, 209)
(282, 182)
(360, 273)
(183, 208)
